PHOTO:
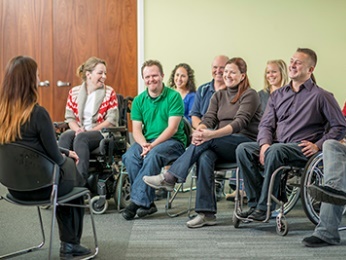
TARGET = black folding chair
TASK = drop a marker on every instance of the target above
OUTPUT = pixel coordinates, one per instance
(25, 169)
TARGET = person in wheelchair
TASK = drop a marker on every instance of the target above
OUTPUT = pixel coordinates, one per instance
(158, 131)
(232, 118)
(297, 115)
(90, 107)
(25, 122)
(332, 195)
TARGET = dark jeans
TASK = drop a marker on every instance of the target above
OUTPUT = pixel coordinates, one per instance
(205, 155)
(138, 166)
(70, 219)
(82, 144)
(257, 181)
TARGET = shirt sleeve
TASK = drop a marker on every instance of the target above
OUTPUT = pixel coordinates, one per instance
(176, 105)
(337, 123)
(47, 136)
(135, 110)
(267, 126)
(249, 103)
(112, 114)
(210, 118)
(196, 107)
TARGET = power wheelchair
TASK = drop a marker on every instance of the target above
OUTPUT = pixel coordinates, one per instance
(105, 162)
(293, 185)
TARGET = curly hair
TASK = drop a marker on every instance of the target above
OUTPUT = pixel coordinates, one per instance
(190, 85)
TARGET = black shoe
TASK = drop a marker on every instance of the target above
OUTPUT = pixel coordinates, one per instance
(246, 214)
(160, 194)
(142, 211)
(68, 250)
(130, 211)
(327, 194)
(314, 242)
(258, 215)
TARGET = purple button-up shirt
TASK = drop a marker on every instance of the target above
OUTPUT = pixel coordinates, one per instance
(304, 115)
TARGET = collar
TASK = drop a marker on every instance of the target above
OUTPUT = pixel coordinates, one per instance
(161, 96)
(309, 84)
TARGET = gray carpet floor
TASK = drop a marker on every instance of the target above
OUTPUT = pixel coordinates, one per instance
(161, 237)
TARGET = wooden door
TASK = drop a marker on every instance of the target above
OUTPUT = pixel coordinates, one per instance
(25, 29)
(61, 34)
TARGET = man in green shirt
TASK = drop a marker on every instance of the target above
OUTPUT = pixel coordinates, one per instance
(158, 131)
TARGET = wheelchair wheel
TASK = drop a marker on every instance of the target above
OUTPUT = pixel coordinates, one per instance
(313, 174)
(125, 188)
(282, 227)
(98, 208)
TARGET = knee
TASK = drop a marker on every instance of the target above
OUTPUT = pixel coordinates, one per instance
(243, 152)
(81, 138)
(330, 144)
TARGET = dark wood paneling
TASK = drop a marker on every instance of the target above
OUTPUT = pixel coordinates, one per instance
(26, 29)
(61, 34)
(106, 29)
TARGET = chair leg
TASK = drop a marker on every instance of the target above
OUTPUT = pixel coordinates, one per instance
(93, 227)
(170, 197)
(29, 249)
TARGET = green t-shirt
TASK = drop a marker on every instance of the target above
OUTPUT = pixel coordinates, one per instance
(154, 113)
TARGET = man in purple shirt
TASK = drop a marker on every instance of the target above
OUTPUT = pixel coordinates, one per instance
(293, 128)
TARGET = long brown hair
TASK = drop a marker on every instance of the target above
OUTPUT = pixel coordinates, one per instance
(190, 85)
(18, 96)
(244, 84)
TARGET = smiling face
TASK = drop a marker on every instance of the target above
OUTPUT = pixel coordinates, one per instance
(153, 80)
(98, 76)
(232, 75)
(217, 68)
(273, 75)
(300, 68)
(181, 78)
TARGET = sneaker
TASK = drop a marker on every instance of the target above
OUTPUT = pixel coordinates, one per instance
(314, 242)
(158, 182)
(142, 211)
(201, 220)
(327, 194)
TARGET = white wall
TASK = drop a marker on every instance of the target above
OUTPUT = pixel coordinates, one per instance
(194, 31)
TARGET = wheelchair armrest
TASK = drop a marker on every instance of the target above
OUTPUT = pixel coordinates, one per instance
(119, 129)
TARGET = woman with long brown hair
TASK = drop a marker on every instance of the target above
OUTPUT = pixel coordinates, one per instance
(24, 121)
(232, 118)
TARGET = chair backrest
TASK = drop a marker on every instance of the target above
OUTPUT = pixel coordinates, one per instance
(187, 131)
(23, 168)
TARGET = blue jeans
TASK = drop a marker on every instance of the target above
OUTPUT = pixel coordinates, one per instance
(205, 155)
(137, 167)
(82, 144)
(334, 161)
(255, 179)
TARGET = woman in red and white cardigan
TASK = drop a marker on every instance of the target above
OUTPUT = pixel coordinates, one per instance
(90, 107)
